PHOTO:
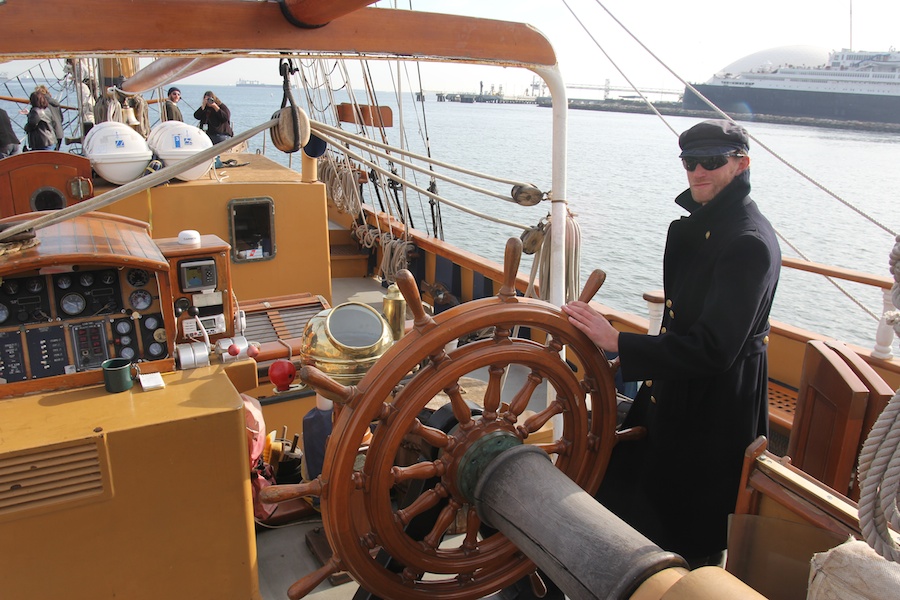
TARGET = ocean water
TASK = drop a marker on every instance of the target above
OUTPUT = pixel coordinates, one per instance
(623, 174)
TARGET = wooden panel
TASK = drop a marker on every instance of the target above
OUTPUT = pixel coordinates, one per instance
(22, 175)
(880, 393)
(831, 404)
(373, 116)
(92, 239)
(249, 26)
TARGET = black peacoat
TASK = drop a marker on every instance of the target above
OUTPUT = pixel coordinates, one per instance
(704, 398)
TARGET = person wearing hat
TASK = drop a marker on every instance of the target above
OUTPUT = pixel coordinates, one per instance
(173, 113)
(704, 396)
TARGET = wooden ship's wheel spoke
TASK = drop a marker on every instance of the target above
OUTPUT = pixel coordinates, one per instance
(420, 515)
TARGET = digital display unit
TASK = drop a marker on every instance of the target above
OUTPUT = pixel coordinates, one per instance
(198, 275)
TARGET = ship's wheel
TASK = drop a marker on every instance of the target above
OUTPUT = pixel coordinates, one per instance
(363, 520)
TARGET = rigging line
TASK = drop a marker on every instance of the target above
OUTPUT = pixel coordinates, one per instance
(381, 185)
(616, 66)
(830, 279)
(426, 159)
(784, 161)
(403, 133)
(391, 189)
(465, 209)
(341, 135)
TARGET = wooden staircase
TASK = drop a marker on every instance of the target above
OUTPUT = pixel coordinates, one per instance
(347, 258)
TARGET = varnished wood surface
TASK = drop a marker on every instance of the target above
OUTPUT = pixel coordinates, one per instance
(240, 27)
(91, 239)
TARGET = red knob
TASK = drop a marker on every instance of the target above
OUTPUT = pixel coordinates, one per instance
(234, 350)
(282, 373)
(252, 351)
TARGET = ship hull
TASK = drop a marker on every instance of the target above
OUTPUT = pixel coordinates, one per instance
(797, 103)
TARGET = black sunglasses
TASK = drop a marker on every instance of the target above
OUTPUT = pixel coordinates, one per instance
(709, 163)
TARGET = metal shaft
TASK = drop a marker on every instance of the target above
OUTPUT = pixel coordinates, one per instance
(585, 549)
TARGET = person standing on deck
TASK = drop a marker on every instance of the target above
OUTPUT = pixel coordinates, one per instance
(215, 118)
(705, 392)
(9, 141)
(40, 126)
(173, 113)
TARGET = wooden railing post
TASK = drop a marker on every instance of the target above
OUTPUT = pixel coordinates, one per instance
(655, 305)
(884, 336)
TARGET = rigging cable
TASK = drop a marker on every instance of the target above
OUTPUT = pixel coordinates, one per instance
(750, 135)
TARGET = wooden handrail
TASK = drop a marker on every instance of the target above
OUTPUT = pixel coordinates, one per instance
(884, 282)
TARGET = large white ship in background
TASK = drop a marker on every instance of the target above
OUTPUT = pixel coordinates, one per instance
(849, 86)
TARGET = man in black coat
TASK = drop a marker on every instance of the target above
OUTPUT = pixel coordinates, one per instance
(705, 395)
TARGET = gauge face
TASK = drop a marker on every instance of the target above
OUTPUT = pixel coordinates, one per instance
(72, 304)
(156, 349)
(138, 277)
(123, 326)
(11, 287)
(34, 285)
(107, 277)
(159, 335)
(86, 279)
(151, 323)
(127, 353)
(140, 299)
(63, 282)
(125, 340)
(4, 313)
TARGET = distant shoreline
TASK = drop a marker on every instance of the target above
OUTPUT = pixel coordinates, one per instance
(675, 109)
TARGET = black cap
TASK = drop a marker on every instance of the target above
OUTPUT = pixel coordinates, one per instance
(713, 137)
(172, 89)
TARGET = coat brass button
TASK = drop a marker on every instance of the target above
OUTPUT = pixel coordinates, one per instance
(668, 303)
(662, 329)
(653, 399)
(766, 340)
(707, 235)
(672, 314)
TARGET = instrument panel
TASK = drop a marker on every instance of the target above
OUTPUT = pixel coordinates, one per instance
(70, 319)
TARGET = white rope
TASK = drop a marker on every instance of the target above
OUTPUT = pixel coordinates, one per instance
(355, 156)
(879, 476)
(879, 461)
(363, 142)
(540, 267)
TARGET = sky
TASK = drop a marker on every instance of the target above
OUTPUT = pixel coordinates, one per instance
(694, 40)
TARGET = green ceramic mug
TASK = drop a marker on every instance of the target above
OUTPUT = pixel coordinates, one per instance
(117, 375)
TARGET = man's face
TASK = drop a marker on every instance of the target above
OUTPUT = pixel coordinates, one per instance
(175, 96)
(705, 184)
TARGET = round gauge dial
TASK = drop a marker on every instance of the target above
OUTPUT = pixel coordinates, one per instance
(86, 279)
(4, 313)
(72, 304)
(127, 353)
(159, 335)
(107, 277)
(123, 326)
(34, 285)
(156, 349)
(140, 299)
(125, 340)
(151, 323)
(138, 277)
(64, 282)
(10, 287)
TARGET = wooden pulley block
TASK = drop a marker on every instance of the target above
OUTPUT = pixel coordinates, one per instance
(282, 133)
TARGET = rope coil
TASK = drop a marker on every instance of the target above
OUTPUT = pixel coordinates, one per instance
(879, 461)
